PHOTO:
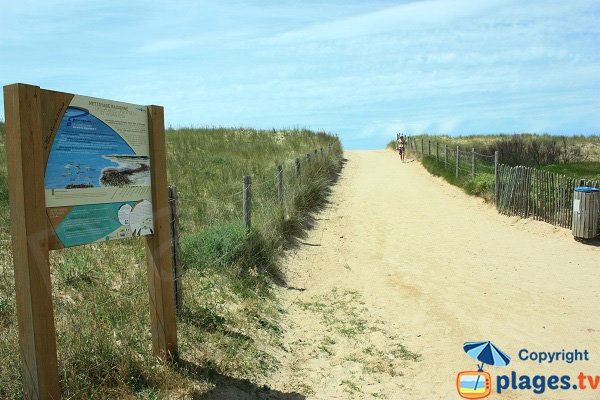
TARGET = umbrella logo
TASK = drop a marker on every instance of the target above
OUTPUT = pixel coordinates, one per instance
(478, 384)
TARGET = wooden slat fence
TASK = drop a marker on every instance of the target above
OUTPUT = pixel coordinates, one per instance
(534, 193)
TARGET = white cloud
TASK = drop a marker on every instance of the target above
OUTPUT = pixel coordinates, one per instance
(418, 15)
(364, 69)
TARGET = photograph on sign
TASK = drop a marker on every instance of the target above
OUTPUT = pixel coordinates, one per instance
(97, 177)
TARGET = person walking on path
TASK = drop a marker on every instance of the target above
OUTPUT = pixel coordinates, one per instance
(400, 146)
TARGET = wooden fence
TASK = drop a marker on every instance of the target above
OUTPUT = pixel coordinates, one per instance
(521, 191)
(312, 160)
(534, 193)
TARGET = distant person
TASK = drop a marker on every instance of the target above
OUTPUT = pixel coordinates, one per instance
(400, 146)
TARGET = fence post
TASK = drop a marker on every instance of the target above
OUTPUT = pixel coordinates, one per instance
(321, 153)
(429, 147)
(457, 159)
(496, 156)
(437, 151)
(329, 148)
(445, 155)
(308, 158)
(422, 151)
(247, 202)
(33, 292)
(473, 162)
(297, 168)
(173, 198)
(280, 184)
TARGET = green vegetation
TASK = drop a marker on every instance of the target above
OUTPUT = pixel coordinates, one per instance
(576, 156)
(582, 170)
(229, 323)
(481, 185)
(526, 149)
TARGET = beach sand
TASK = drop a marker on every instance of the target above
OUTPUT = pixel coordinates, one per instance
(401, 258)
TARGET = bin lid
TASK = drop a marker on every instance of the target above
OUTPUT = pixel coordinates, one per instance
(586, 189)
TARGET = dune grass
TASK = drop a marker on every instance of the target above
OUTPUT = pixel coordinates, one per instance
(228, 329)
(575, 156)
(581, 170)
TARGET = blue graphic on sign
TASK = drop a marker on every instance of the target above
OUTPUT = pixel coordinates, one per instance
(90, 223)
(78, 154)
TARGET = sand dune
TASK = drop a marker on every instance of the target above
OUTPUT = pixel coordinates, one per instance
(410, 260)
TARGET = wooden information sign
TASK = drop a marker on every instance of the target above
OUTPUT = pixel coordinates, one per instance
(82, 170)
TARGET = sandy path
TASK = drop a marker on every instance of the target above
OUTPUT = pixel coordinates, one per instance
(402, 263)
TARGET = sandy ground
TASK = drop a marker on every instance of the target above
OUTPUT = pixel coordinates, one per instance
(401, 269)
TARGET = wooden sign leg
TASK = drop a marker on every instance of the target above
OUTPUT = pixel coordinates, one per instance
(158, 245)
(37, 336)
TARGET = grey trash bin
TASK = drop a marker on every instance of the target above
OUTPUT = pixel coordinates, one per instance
(586, 210)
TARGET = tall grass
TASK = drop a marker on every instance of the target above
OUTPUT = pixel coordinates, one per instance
(576, 156)
(527, 149)
(228, 329)
(482, 184)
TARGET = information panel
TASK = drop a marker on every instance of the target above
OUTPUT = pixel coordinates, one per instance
(97, 176)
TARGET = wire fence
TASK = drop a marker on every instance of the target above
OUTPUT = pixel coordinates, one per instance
(465, 162)
(518, 191)
(286, 182)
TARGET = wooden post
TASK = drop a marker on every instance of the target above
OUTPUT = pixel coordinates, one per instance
(473, 162)
(29, 234)
(429, 147)
(280, 183)
(158, 245)
(445, 156)
(321, 153)
(308, 158)
(297, 169)
(457, 159)
(247, 201)
(173, 198)
(437, 151)
(422, 151)
(496, 155)
(329, 148)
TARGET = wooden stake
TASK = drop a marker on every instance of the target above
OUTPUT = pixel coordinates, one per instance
(29, 234)
(280, 183)
(446, 156)
(158, 245)
(457, 160)
(173, 199)
(247, 202)
(496, 177)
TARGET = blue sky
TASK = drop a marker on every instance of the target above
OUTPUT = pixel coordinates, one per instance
(362, 69)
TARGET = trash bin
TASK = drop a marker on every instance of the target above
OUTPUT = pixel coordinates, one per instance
(586, 210)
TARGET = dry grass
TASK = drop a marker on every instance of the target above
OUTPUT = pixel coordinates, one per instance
(228, 327)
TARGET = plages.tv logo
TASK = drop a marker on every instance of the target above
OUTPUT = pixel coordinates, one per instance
(478, 384)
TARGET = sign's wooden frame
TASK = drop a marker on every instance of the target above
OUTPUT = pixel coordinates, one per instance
(32, 117)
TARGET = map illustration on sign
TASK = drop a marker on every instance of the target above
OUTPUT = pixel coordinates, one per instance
(97, 179)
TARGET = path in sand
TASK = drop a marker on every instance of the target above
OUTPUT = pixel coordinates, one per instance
(402, 268)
